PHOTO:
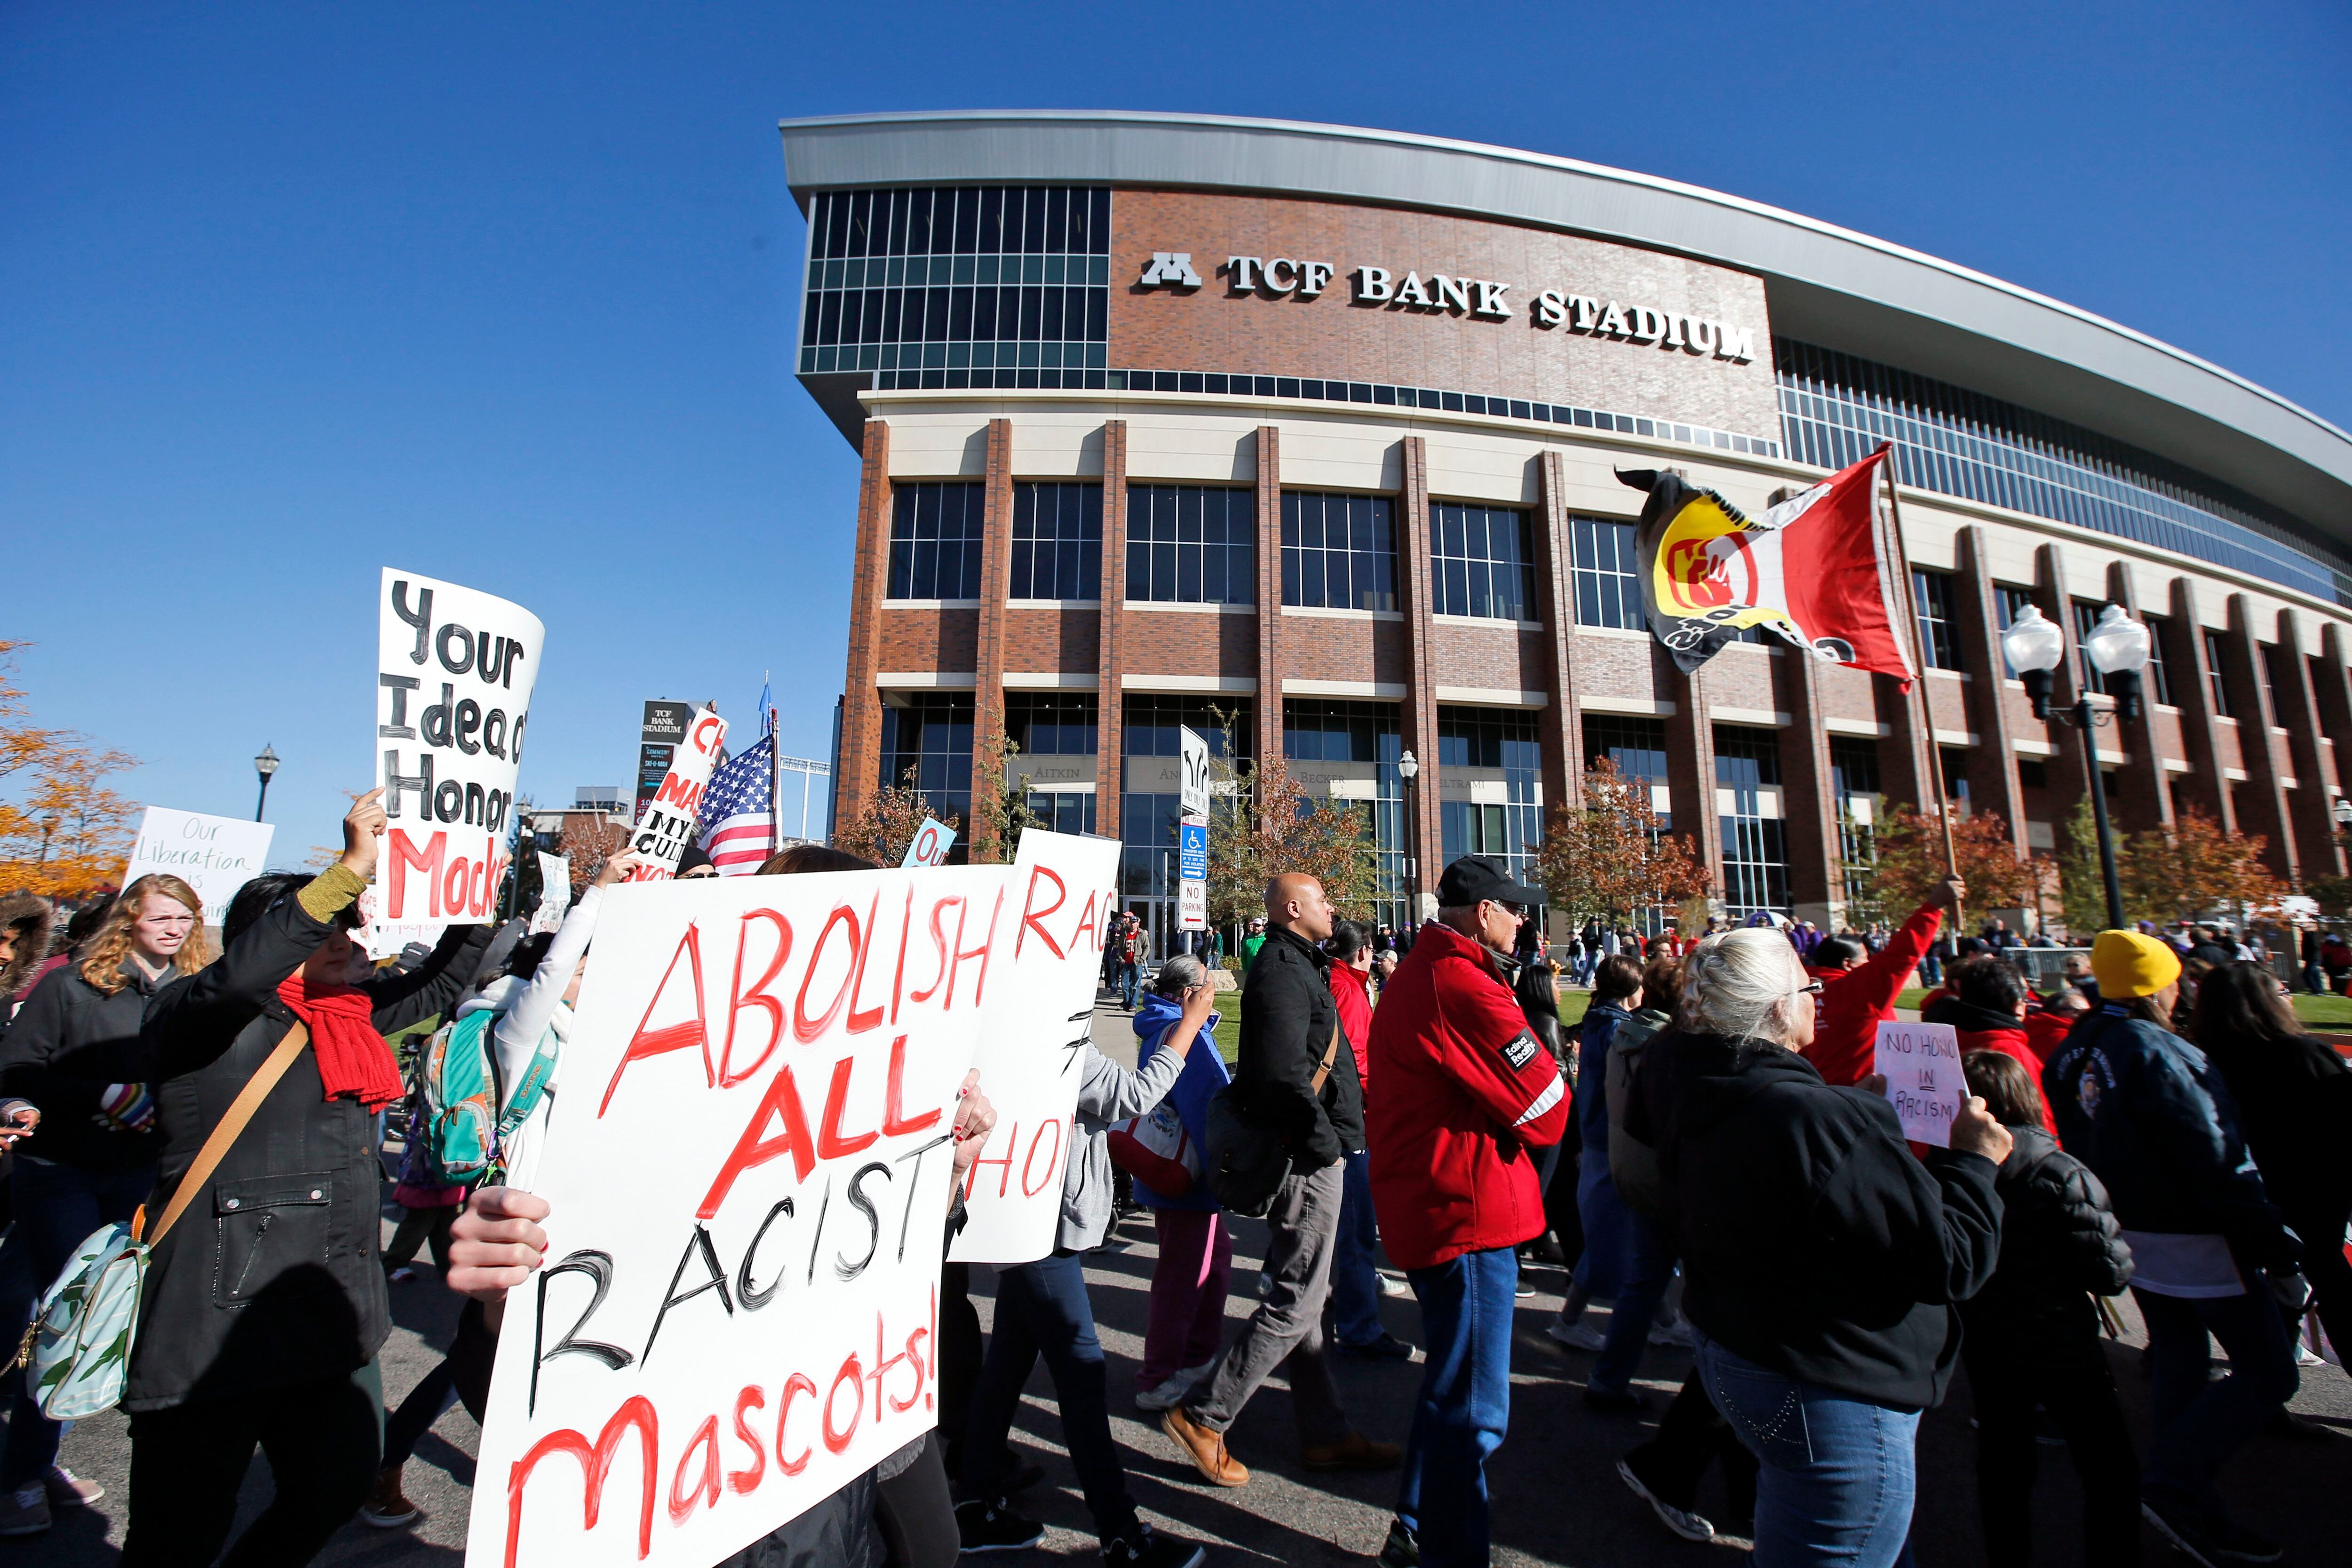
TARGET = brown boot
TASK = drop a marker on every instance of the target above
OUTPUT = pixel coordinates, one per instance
(1205, 1448)
(387, 1508)
(1353, 1452)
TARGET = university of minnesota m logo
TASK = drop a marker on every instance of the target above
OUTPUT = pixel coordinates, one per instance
(1169, 269)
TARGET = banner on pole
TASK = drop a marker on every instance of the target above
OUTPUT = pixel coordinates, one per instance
(213, 854)
(666, 826)
(455, 669)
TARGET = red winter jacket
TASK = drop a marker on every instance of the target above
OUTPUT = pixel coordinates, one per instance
(1854, 1002)
(1465, 1088)
(2021, 1043)
(1349, 990)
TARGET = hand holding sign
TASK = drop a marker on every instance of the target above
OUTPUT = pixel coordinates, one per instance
(363, 824)
(1919, 1067)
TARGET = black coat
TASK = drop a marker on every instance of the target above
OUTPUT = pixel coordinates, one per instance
(2060, 1245)
(1814, 1242)
(272, 1276)
(66, 1017)
(2294, 1105)
(1288, 1017)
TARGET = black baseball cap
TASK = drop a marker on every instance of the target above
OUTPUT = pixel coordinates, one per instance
(1474, 877)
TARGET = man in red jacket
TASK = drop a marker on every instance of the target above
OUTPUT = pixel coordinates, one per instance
(1466, 1090)
(1859, 989)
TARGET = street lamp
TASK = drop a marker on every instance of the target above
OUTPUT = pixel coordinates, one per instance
(2342, 814)
(264, 764)
(49, 824)
(1409, 769)
(2117, 647)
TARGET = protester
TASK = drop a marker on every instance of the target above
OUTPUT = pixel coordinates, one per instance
(1858, 990)
(1466, 1090)
(2293, 1097)
(1297, 1085)
(1537, 988)
(1771, 1176)
(1250, 943)
(1990, 1013)
(2148, 1113)
(1356, 1284)
(96, 1163)
(1126, 965)
(1186, 1321)
(26, 920)
(2032, 1337)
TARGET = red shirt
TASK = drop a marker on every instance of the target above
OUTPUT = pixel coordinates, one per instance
(1355, 1001)
(1466, 1089)
(2020, 1042)
(1854, 1002)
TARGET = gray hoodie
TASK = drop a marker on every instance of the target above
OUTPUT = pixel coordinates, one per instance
(1107, 1094)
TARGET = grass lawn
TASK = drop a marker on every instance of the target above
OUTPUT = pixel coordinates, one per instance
(1572, 1004)
(2331, 1012)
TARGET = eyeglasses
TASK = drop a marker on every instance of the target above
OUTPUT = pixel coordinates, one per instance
(1812, 988)
(1516, 912)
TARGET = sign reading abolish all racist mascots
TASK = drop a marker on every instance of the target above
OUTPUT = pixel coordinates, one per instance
(1808, 570)
(748, 1177)
(666, 826)
(454, 674)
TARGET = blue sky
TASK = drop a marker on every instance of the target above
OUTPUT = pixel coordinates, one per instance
(505, 294)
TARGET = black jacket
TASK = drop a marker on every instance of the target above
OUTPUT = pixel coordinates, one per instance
(1814, 1242)
(272, 1277)
(1287, 1018)
(2148, 1111)
(2294, 1106)
(66, 1016)
(2060, 1245)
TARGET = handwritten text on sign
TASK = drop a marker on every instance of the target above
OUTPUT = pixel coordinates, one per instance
(215, 856)
(1921, 1064)
(455, 670)
(666, 827)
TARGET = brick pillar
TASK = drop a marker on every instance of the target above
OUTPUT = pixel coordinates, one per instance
(1807, 805)
(1110, 706)
(1559, 727)
(1988, 706)
(2142, 799)
(860, 762)
(2261, 799)
(2332, 684)
(1418, 719)
(2201, 727)
(995, 586)
(1690, 762)
(1269, 593)
(2316, 853)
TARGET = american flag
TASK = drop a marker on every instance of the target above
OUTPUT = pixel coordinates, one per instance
(735, 812)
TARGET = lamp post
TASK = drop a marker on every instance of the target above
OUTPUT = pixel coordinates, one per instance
(265, 765)
(2117, 647)
(49, 824)
(2343, 814)
(1409, 769)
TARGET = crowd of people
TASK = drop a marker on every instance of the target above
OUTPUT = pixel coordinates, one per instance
(1708, 1150)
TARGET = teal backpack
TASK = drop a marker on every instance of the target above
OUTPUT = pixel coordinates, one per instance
(456, 1128)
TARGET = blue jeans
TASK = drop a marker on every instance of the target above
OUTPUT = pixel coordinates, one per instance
(58, 1207)
(1041, 1309)
(1355, 1272)
(1838, 1475)
(1130, 977)
(2199, 1424)
(1647, 1269)
(1466, 1308)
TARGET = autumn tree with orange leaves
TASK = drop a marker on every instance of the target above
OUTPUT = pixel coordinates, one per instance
(1608, 857)
(1910, 862)
(63, 833)
(887, 821)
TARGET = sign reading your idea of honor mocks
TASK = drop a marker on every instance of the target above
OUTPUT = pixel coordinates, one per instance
(1480, 298)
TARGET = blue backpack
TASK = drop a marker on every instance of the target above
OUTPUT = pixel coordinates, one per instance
(456, 1128)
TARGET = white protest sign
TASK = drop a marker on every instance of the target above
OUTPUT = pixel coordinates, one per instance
(1032, 1045)
(667, 825)
(748, 1170)
(455, 669)
(554, 893)
(213, 854)
(1921, 1064)
(931, 843)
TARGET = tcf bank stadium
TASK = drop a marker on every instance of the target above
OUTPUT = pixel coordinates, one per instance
(1306, 434)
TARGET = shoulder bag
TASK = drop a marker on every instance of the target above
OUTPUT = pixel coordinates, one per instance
(1247, 1164)
(76, 1350)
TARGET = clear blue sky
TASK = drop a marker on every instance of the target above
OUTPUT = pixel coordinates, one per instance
(504, 294)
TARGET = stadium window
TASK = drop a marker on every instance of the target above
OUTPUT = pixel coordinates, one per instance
(1608, 584)
(1056, 541)
(1481, 562)
(1339, 552)
(1191, 544)
(2217, 684)
(935, 533)
(2154, 680)
(1931, 604)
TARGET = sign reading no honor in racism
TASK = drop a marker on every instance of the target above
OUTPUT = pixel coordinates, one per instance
(455, 669)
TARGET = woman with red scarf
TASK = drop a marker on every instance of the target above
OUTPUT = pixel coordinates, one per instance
(264, 1310)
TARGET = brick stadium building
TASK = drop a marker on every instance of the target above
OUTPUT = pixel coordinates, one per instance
(1177, 420)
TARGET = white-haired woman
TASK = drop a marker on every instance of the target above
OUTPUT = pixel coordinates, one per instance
(1823, 1259)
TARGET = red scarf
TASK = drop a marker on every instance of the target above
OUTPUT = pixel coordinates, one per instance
(352, 1057)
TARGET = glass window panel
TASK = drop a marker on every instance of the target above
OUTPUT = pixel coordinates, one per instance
(935, 540)
(1184, 526)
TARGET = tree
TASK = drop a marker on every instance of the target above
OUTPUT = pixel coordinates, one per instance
(1001, 812)
(1608, 857)
(2195, 868)
(1910, 851)
(1263, 823)
(886, 825)
(2082, 886)
(589, 838)
(63, 833)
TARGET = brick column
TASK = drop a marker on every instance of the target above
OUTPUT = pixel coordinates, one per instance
(1690, 762)
(2332, 684)
(2262, 800)
(2316, 850)
(1110, 703)
(1269, 593)
(2201, 730)
(1807, 805)
(860, 763)
(995, 586)
(1418, 719)
(2142, 800)
(1561, 726)
(1988, 706)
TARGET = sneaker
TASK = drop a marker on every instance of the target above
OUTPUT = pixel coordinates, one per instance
(1577, 1336)
(992, 1526)
(1388, 1347)
(67, 1489)
(387, 1508)
(1677, 1334)
(1684, 1522)
(25, 1511)
(1147, 1548)
(1205, 1448)
(2173, 1522)
(1390, 1286)
(2233, 1542)
(2305, 1356)
(1523, 1289)
(1353, 1452)
(1402, 1550)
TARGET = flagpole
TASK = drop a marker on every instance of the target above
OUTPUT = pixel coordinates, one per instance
(1919, 677)
(775, 776)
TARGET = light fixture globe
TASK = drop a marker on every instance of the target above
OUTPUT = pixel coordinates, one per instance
(2343, 812)
(1408, 769)
(267, 763)
(2033, 642)
(2116, 644)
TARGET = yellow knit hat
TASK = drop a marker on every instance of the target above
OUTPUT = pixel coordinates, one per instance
(2126, 963)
